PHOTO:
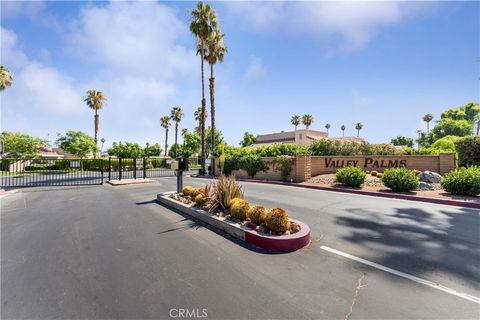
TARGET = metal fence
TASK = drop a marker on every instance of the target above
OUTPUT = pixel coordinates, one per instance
(50, 172)
(66, 172)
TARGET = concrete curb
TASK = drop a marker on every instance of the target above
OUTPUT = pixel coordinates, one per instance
(455, 203)
(126, 182)
(290, 242)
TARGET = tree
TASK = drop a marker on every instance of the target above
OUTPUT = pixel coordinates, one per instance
(327, 126)
(295, 121)
(6, 78)
(126, 150)
(343, 127)
(216, 50)
(154, 150)
(470, 112)
(427, 118)
(249, 139)
(450, 127)
(198, 117)
(203, 22)
(191, 143)
(424, 140)
(307, 120)
(103, 142)
(165, 123)
(77, 143)
(402, 141)
(176, 115)
(358, 127)
(94, 100)
(19, 145)
(218, 138)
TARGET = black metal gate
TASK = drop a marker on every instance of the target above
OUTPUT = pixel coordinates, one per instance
(139, 168)
(50, 172)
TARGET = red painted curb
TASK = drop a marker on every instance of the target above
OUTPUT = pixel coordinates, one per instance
(289, 242)
(455, 203)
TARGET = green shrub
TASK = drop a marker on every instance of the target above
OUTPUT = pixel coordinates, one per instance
(400, 179)
(464, 181)
(444, 145)
(380, 175)
(468, 149)
(252, 164)
(351, 176)
(285, 166)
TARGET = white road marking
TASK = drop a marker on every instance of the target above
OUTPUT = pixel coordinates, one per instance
(405, 275)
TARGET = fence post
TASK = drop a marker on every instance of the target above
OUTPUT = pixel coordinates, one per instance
(101, 161)
(119, 168)
(109, 168)
(134, 168)
(144, 167)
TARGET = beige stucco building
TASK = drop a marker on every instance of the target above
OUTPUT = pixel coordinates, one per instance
(302, 137)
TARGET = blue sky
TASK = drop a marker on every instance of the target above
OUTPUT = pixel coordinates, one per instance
(384, 64)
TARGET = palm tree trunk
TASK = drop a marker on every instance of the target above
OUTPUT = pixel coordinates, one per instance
(295, 127)
(96, 132)
(358, 133)
(478, 127)
(428, 126)
(176, 136)
(343, 133)
(202, 116)
(212, 109)
(166, 141)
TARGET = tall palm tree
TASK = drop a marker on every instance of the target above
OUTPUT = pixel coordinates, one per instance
(307, 120)
(203, 22)
(427, 118)
(176, 114)
(197, 114)
(184, 133)
(343, 127)
(94, 100)
(295, 121)
(216, 50)
(165, 123)
(358, 127)
(327, 126)
(6, 78)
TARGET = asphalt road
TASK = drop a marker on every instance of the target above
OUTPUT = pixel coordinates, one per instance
(104, 252)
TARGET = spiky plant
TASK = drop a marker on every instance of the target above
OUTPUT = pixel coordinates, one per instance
(223, 191)
(257, 214)
(188, 191)
(277, 220)
(239, 209)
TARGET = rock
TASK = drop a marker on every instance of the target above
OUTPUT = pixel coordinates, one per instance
(430, 176)
(424, 186)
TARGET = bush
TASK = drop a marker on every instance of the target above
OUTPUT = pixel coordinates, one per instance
(239, 209)
(224, 190)
(468, 149)
(351, 176)
(444, 145)
(400, 179)
(257, 214)
(277, 220)
(285, 165)
(464, 181)
(380, 175)
(253, 164)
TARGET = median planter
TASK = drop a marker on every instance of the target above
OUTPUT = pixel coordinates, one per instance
(242, 231)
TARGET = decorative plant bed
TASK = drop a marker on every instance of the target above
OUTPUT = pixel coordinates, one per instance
(297, 237)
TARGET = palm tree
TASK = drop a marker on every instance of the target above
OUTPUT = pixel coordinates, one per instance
(327, 126)
(427, 118)
(176, 114)
(295, 121)
(6, 78)
(216, 50)
(343, 127)
(94, 100)
(165, 123)
(203, 22)
(358, 127)
(103, 142)
(307, 120)
(197, 115)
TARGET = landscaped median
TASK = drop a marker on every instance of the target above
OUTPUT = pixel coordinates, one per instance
(221, 205)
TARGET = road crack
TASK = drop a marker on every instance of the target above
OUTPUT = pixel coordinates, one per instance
(357, 291)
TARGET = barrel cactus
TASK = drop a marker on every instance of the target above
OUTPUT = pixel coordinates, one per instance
(188, 191)
(239, 209)
(199, 199)
(277, 220)
(232, 202)
(257, 214)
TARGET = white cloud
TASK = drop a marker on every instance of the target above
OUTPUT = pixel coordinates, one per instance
(255, 69)
(347, 24)
(12, 9)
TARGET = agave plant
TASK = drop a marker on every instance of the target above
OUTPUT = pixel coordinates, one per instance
(223, 191)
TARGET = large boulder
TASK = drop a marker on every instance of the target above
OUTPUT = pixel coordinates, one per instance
(430, 176)
(424, 186)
